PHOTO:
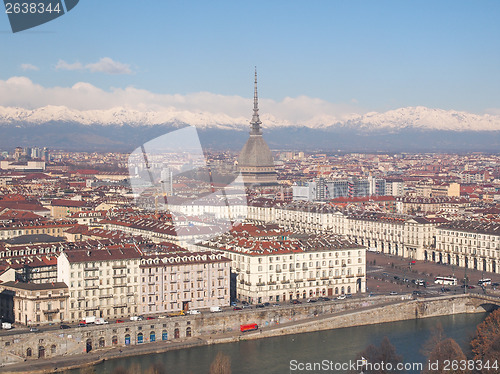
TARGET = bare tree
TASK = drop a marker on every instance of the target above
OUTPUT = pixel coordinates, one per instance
(221, 364)
(446, 350)
(374, 357)
(436, 337)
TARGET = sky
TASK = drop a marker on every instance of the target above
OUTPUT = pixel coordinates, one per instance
(333, 56)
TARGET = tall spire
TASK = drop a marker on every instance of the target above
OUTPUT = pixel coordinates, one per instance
(256, 128)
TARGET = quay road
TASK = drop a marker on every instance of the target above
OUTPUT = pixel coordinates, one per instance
(21, 329)
(62, 363)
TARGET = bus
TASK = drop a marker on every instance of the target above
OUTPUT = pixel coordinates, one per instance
(484, 282)
(450, 281)
(249, 327)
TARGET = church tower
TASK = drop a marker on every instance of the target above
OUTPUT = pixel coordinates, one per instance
(255, 161)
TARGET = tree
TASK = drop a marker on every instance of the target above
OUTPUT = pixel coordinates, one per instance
(221, 364)
(486, 344)
(436, 337)
(445, 350)
(375, 356)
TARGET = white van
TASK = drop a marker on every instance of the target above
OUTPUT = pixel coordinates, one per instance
(6, 325)
(215, 309)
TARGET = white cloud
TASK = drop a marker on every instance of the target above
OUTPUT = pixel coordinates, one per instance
(104, 65)
(63, 65)
(22, 92)
(27, 67)
(108, 66)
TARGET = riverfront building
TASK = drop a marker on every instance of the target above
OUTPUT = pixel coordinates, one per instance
(183, 280)
(270, 263)
(35, 304)
(102, 282)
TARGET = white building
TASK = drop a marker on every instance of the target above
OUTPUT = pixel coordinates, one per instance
(272, 264)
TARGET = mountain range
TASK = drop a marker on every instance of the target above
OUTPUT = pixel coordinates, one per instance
(412, 129)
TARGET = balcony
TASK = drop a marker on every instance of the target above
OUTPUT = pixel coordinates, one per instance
(325, 278)
(93, 277)
(119, 266)
(91, 308)
(298, 280)
(119, 306)
(50, 311)
(105, 296)
(278, 270)
(271, 283)
(119, 275)
(311, 279)
(285, 281)
(360, 275)
(93, 268)
(260, 284)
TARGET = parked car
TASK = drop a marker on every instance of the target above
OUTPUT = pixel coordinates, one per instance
(348, 295)
(237, 308)
(136, 318)
(234, 303)
(276, 305)
(341, 297)
(244, 302)
(215, 309)
(295, 301)
(259, 306)
(34, 329)
(323, 298)
(6, 325)
(247, 306)
(193, 311)
(393, 293)
(120, 321)
(151, 317)
(83, 324)
(445, 289)
(64, 327)
(267, 304)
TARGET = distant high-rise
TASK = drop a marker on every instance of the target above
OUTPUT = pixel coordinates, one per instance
(255, 160)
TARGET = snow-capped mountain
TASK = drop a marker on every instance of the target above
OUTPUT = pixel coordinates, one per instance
(403, 118)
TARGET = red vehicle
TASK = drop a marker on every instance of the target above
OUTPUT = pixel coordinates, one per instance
(148, 318)
(120, 321)
(249, 327)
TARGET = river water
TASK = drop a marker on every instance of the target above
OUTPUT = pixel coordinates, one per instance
(273, 355)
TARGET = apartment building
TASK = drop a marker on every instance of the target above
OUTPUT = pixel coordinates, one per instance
(469, 244)
(38, 304)
(102, 282)
(176, 281)
(270, 263)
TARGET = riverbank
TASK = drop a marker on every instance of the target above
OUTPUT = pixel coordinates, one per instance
(376, 314)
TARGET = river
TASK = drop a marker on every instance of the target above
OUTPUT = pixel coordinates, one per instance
(273, 355)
